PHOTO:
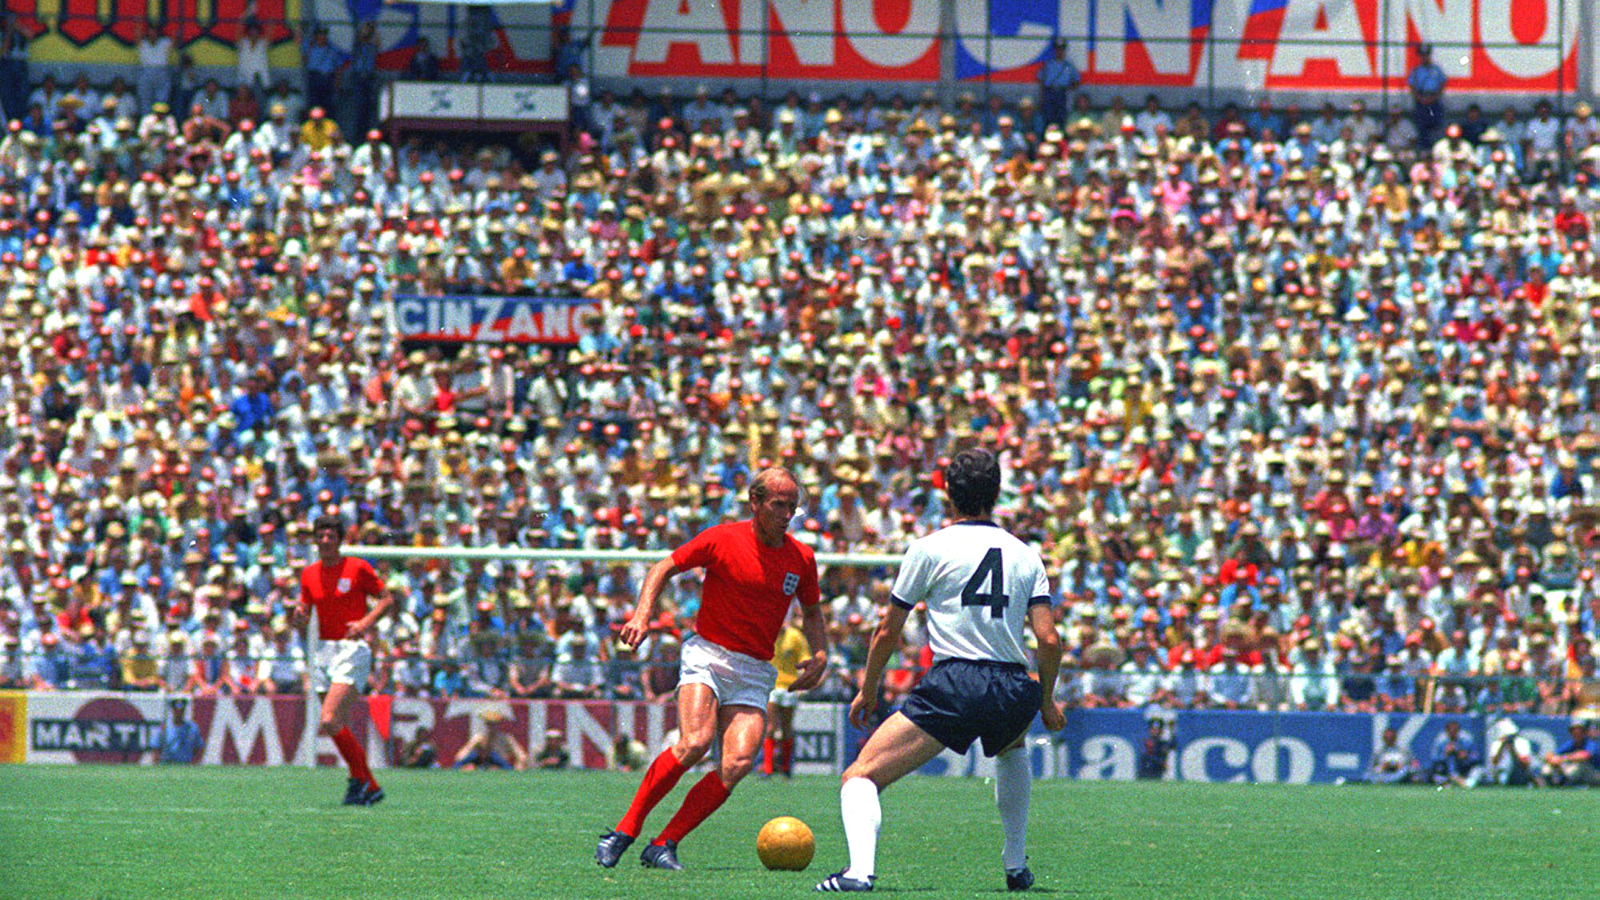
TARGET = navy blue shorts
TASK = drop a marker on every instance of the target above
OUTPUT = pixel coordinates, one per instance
(963, 700)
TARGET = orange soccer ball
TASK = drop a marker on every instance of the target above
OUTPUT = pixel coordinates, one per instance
(786, 843)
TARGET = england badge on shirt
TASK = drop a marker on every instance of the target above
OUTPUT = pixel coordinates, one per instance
(791, 582)
(344, 586)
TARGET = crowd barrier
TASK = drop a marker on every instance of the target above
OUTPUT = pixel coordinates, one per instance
(68, 727)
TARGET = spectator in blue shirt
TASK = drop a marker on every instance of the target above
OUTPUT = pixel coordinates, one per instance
(361, 82)
(1394, 690)
(1427, 83)
(1573, 763)
(1262, 120)
(322, 61)
(48, 670)
(180, 737)
(1455, 759)
(94, 665)
(253, 409)
(1057, 77)
(1154, 752)
(449, 681)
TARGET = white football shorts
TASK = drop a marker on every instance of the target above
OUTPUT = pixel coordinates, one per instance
(342, 662)
(736, 679)
(784, 697)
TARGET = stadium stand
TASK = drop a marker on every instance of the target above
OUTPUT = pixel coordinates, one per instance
(1301, 412)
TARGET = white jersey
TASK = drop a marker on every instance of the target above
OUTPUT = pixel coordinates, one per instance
(978, 582)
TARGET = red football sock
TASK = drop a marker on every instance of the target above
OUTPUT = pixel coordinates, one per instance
(786, 761)
(767, 756)
(703, 800)
(354, 756)
(659, 780)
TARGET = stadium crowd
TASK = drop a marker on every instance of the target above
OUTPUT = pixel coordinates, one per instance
(1301, 411)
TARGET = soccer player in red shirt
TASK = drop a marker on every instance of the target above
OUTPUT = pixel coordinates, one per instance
(754, 571)
(339, 588)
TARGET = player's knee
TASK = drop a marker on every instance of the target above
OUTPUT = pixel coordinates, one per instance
(734, 770)
(692, 748)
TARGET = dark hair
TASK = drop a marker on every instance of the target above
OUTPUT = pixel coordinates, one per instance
(327, 521)
(973, 482)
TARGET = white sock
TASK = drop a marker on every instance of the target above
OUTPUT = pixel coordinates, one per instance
(1013, 780)
(858, 806)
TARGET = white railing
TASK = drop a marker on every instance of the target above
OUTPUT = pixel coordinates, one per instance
(864, 560)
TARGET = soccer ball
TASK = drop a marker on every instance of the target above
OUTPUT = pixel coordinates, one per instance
(785, 843)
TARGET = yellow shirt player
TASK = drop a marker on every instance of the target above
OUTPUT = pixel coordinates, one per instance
(778, 748)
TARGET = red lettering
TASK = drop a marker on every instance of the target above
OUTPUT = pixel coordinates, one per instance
(229, 18)
(23, 11)
(274, 19)
(183, 22)
(127, 21)
(80, 21)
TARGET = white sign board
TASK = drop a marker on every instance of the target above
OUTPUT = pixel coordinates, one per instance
(435, 100)
(529, 102)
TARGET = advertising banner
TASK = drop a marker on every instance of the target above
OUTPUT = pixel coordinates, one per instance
(525, 103)
(450, 101)
(91, 32)
(1491, 46)
(1244, 746)
(257, 731)
(818, 738)
(1483, 46)
(1488, 46)
(1301, 747)
(13, 726)
(589, 728)
(1095, 745)
(87, 31)
(825, 40)
(517, 35)
(434, 100)
(83, 727)
(485, 319)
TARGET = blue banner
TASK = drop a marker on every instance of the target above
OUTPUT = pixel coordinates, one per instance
(1242, 746)
(492, 319)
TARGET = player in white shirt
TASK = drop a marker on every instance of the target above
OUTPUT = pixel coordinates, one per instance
(981, 587)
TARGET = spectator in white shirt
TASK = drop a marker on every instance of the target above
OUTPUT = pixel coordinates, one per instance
(155, 73)
(212, 100)
(1151, 118)
(252, 65)
(1363, 127)
(1581, 130)
(1544, 139)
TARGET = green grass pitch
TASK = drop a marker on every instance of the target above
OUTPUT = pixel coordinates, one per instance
(129, 833)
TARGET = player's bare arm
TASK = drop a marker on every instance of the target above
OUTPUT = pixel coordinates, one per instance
(361, 627)
(638, 625)
(810, 671)
(1048, 657)
(885, 639)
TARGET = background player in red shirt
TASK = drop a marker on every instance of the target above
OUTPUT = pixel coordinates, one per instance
(339, 588)
(754, 571)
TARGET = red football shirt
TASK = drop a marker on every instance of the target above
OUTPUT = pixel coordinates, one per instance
(748, 585)
(339, 593)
